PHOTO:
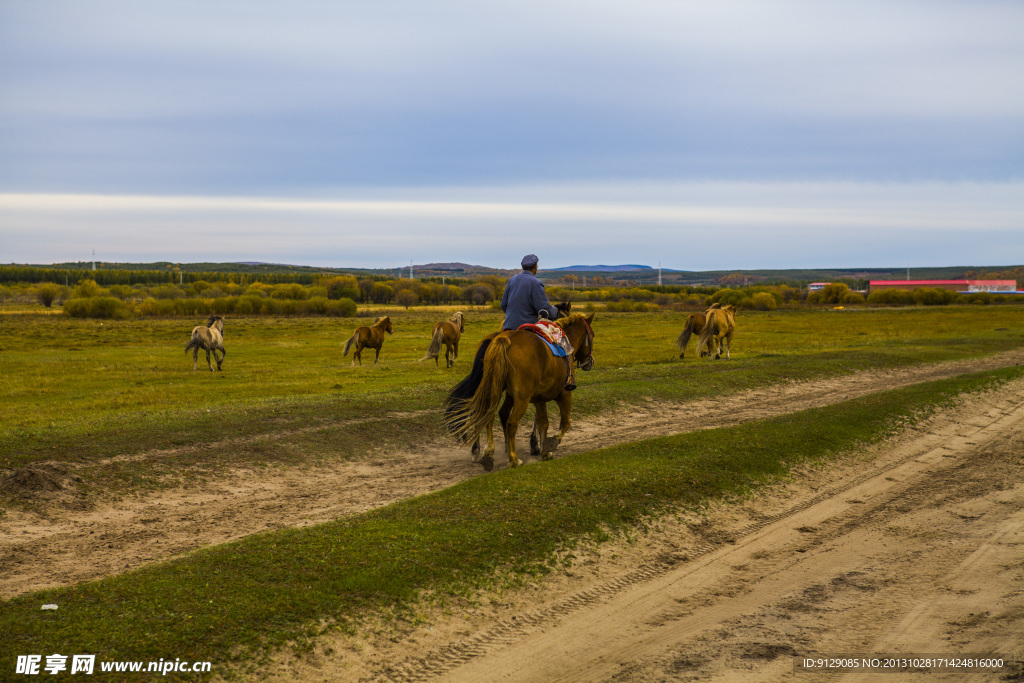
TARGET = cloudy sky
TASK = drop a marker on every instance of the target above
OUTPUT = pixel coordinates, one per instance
(698, 134)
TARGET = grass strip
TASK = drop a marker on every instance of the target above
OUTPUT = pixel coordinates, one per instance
(235, 603)
(608, 387)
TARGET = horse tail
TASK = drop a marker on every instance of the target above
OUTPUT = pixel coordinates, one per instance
(706, 335)
(688, 330)
(349, 343)
(435, 344)
(193, 343)
(455, 405)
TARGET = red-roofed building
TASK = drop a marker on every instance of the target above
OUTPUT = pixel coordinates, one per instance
(953, 285)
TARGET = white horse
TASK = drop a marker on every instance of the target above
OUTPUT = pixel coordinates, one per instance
(209, 337)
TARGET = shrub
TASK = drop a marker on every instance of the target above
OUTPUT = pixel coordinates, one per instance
(342, 287)
(891, 296)
(982, 298)
(763, 301)
(47, 292)
(97, 307)
(853, 298)
(406, 298)
(88, 288)
(341, 308)
(933, 296)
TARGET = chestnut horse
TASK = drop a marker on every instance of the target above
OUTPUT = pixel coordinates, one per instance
(694, 325)
(372, 337)
(448, 333)
(718, 330)
(518, 364)
(210, 338)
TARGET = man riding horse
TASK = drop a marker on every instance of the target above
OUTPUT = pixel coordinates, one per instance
(524, 300)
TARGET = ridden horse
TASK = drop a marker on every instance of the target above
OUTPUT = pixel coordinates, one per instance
(447, 332)
(209, 337)
(718, 330)
(694, 325)
(518, 364)
(372, 337)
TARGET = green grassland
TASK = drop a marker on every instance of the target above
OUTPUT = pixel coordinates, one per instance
(79, 390)
(237, 603)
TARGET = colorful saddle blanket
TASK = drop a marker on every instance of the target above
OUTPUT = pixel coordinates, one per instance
(550, 334)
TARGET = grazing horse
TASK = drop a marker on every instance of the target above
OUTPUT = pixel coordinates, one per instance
(694, 325)
(717, 332)
(518, 364)
(372, 337)
(209, 337)
(447, 332)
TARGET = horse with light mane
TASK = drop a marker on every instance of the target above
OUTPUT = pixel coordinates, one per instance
(209, 337)
(718, 331)
(519, 365)
(447, 332)
(368, 337)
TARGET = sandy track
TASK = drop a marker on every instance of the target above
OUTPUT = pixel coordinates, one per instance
(918, 548)
(65, 547)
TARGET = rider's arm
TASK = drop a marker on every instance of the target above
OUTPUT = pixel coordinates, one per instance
(540, 301)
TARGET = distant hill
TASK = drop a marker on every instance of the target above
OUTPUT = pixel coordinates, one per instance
(602, 269)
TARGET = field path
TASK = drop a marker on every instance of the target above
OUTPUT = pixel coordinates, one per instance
(61, 547)
(916, 549)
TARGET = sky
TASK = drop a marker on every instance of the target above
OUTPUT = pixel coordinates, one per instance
(696, 135)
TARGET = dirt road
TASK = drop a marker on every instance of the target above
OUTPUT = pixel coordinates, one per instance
(916, 548)
(913, 548)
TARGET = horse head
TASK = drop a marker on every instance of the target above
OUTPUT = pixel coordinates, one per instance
(216, 322)
(564, 309)
(385, 324)
(580, 326)
(458, 321)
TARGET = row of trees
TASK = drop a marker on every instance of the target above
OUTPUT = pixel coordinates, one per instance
(340, 296)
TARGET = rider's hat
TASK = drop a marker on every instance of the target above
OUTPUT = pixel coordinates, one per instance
(529, 261)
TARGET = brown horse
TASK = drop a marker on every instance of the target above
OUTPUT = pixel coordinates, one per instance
(694, 325)
(520, 366)
(368, 337)
(718, 330)
(209, 337)
(447, 332)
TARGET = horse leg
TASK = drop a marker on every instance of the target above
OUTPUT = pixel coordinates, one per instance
(539, 436)
(455, 351)
(534, 439)
(357, 355)
(519, 406)
(208, 363)
(376, 355)
(195, 358)
(564, 402)
(726, 342)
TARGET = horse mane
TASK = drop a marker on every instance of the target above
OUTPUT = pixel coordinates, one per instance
(380, 321)
(570, 319)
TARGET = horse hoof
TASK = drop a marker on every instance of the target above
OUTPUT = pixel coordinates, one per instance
(550, 445)
(488, 463)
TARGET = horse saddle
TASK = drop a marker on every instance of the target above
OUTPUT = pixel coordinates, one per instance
(550, 334)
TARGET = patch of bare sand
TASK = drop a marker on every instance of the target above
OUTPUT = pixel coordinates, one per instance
(914, 547)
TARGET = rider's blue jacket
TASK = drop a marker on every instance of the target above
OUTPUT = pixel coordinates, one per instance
(523, 300)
